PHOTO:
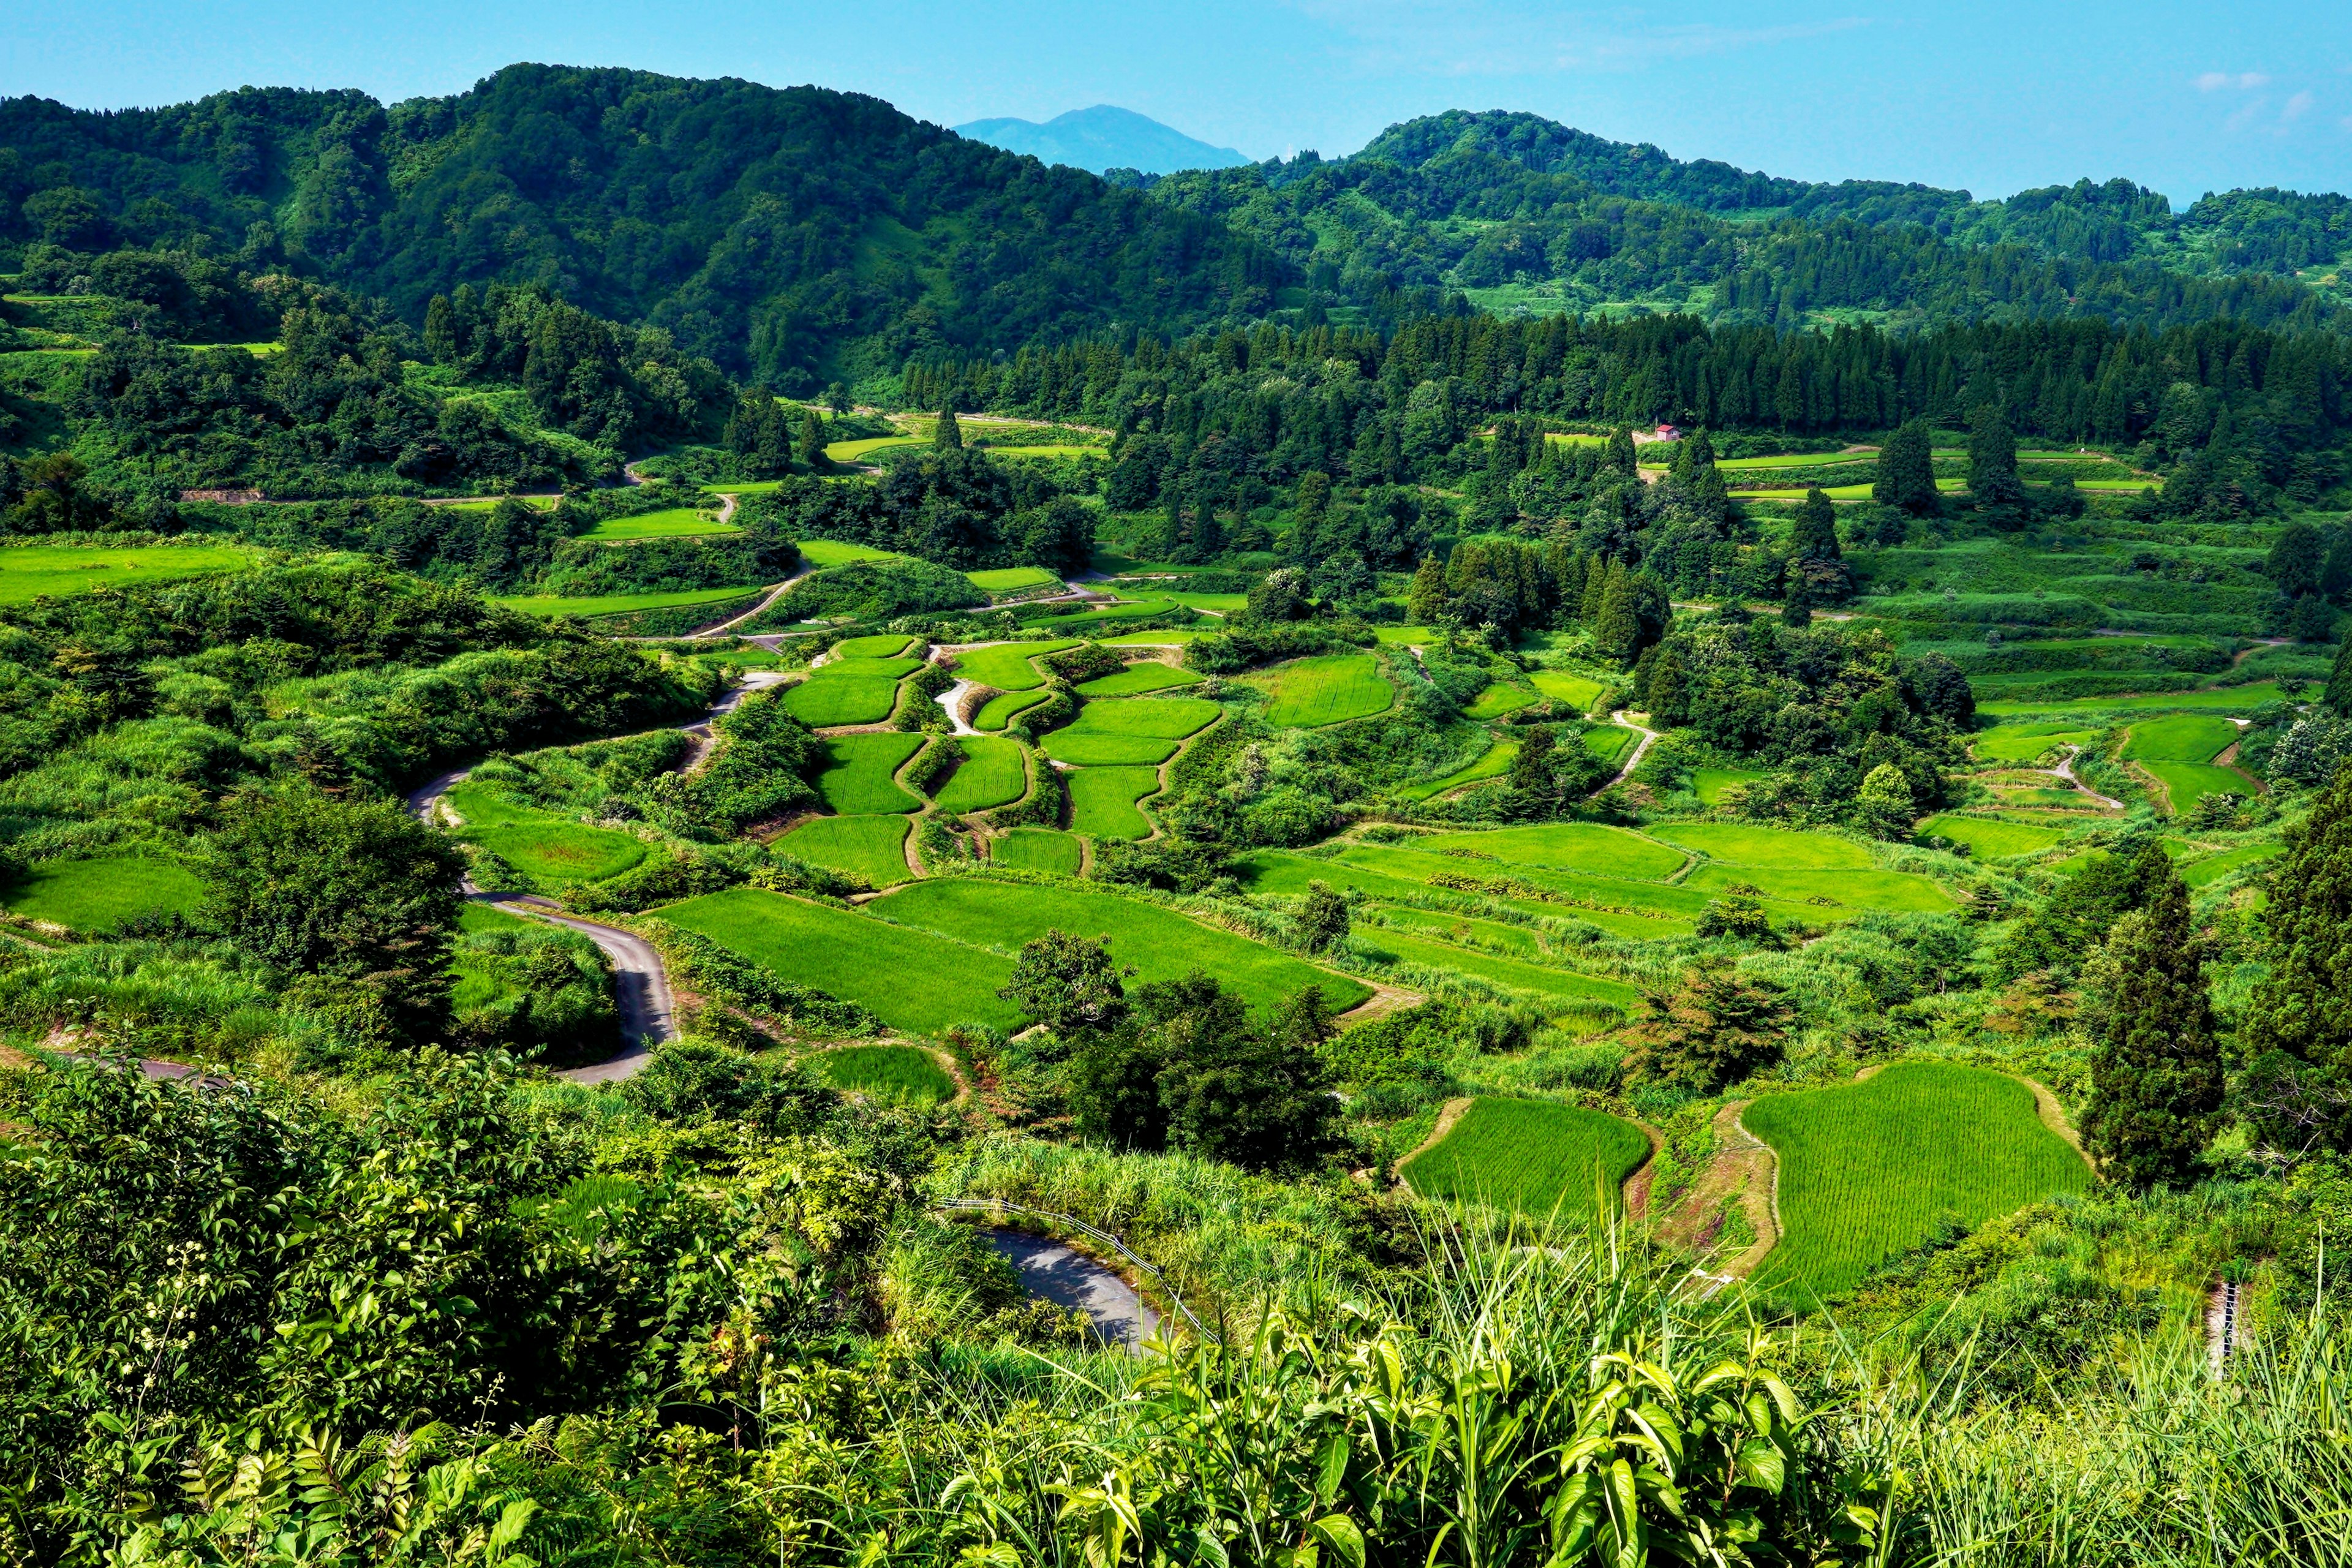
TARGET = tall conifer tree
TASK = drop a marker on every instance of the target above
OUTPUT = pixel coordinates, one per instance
(2156, 1081)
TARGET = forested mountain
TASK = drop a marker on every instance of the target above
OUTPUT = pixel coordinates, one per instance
(781, 233)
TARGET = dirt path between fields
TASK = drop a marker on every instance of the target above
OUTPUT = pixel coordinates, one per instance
(1744, 1169)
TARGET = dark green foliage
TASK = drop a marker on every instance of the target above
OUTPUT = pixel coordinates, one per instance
(1739, 918)
(693, 1081)
(2339, 680)
(1322, 919)
(1712, 1028)
(876, 590)
(555, 997)
(2156, 1082)
(1067, 984)
(1992, 461)
(355, 896)
(2071, 924)
(2297, 1029)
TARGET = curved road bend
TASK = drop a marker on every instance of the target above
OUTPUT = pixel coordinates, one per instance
(1068, 1277)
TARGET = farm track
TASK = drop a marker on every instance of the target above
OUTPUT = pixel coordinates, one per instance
(1743, 1168)
(2065, 770)
(1636, 1191)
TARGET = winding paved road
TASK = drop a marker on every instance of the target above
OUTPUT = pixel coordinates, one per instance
(1068, 1277)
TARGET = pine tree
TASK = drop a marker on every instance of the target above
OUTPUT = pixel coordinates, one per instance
(1531, 779)
(1207, 533)
(2156, 1082)
(812, 442)
(1426, 602)
(1907, 471)
(948, 436)
(2339, 680)
(1992, 461)
(440, 331)
(1620, 454)
(2298, 1028)
(1596, 586)
(1617, 630)
(1796, 602)
(1815, 538)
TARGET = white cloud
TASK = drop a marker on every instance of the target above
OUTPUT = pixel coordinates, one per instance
(2215, 81)
(2296, 107)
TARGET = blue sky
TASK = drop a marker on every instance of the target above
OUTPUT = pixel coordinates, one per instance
(1989, 96)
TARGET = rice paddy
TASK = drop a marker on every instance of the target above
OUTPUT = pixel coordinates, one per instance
(99, 895)
(1103, 801)
(1990, 838)
(904, 1074)
(1496, 701)
(2213, 868)
(1038, 850)
(1776, 847)
(2179, 752)
(882, 644)
(998, 711)
(848, 690)
(29, 572)
(1866, 1170)
(2026, 742)
(1570, 846)
(1139, 678)
(1309, 693)
(1007, 667)
(858, 780)
(1132, 733)
(714, 599)
(870, 848)
(1493, 763)
(1567, 688)
(1006, 580)
(677, 522)
(541, 845)
(1510, 973)
(1160, 943)
(1545, 1160)
(824, 552)
(994, 773)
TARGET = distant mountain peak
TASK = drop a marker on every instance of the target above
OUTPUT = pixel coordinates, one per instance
(1103, 137)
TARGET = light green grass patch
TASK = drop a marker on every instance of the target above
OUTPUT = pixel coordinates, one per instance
(882, 644)
(992, 773)
(1281, 872)
(540, 844)
(2180, 738)
(823, 699)
(858, 782)
(911, 979)
(1801, 892)
(99, 895)
(1744, 846)
(1493, 763)
(1414, 637)
(1511, 973)
(1308, 693)
(874, 847)
(1103, 801)
(1138, 678)
(1549, 1162)
(2186, 783)
(1565, 686)
(1988, 838)
(1867, 1169)
(823, 552)
(27, 571)
(1171, 637)
(1496, 701)
(1442, 926)
(904, 1074)
(626, 603)
(1130, 732)
(1007, 665)
(859, 450)
(2214, 699)
(2213, 868)
(1612, 744)
(1160, 942)
(1570, 846)
(1012, 579)
(1709, 783)
(2025, 742)
(998, 711)
(677, 522)
(1037, 850)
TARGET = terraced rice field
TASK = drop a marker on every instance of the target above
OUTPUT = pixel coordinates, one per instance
(99, 895)
(2213, 868)
(1867, 1169)
(1511, 973)
(1160, 943)
(1130, 732)
(1437, 925)
(1708, 784)
(2178, 749)
(994, 773)
(1570, 846)
(858, 782)
(1414, 637)
(848, 691)
(1775, 847)
(1637, 911)
(1496, 701)
(716, 600)
(1138, 678)
(1493, 763)
(824, 552)
(998, 711)
(1551, 1162)
(1309, 693)
(1007, 665)
(914, 980)
(2026, 742)
(1167, 636)
(1037, 850)
(27, 571)
(901, 1074)
(882, 644)
(541, 845)
(1990, 838)
(2212, 698)
(872, 847)
(1013, 580)
(1612, 744)
(1103, 801)
(677, 522)
(1567, 688)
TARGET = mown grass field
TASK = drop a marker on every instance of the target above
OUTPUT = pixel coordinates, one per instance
(902, 1074)
(677, 522)
(540, 844)
(874, 847)
(1577, 692)
(29, 571)
(1988, 838)
(1496, 701)
(1160, 943)
(1308, 693)
(992, 774)
(1511, 973)
(1007, 665)
(99, 895)
(858, 782)
(1867, 1169)
(2178, 749)
(1103, 801)
(1570, 846)
(998, 711)
(1129, 733)
(1493, 763)
(914, 980)
(1038, 850)
(1545, 1161)
(630, 604)
(1138, 678)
